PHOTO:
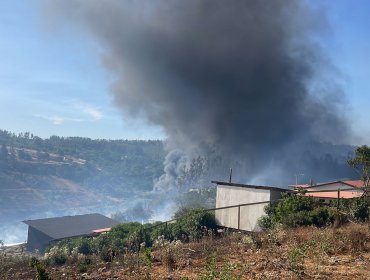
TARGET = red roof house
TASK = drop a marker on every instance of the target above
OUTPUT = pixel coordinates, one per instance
(347, 189)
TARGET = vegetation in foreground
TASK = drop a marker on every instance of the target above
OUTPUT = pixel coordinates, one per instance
(298, 210)
(299, 253)
(192, 248)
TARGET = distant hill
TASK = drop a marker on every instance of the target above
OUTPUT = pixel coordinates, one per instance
(72, 175)
(110, 166)
(72, 172)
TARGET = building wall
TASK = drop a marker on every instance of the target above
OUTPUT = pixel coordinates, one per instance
(275, 194)
(249, 215)
(37, 241)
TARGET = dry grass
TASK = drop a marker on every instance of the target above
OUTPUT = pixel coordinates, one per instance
(12, 267)
(302, 253)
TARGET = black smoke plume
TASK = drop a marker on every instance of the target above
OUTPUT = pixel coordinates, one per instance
(241, 80)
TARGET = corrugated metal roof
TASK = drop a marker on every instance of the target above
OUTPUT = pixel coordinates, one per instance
(71, 226)
(351, 183)
(249, 186)
(355, 183)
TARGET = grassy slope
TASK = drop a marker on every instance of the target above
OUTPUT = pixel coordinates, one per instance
(303, 253)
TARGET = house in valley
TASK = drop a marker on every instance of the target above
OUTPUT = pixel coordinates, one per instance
(43, 231)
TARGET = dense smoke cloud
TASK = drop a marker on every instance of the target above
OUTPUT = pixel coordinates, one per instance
(244, 80)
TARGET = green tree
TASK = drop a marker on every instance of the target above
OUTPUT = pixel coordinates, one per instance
(361, 163)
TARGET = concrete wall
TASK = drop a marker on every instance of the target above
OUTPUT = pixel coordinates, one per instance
(249, 215)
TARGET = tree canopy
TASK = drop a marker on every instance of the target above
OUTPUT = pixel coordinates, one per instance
(361, 163)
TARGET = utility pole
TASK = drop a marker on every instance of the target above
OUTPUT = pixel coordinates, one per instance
(231, 175)
(296, 177)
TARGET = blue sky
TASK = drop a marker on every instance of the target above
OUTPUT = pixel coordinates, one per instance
(350, 52)
(52, 81)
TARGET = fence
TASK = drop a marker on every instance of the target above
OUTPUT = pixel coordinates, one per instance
(365, 189)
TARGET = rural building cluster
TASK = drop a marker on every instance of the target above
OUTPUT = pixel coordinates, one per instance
(238, 206)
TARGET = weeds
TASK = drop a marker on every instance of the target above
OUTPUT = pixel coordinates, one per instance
(226, 272)
(40, 269)
(56, 256)
(296, 259)
(84, 265)
(147, 257)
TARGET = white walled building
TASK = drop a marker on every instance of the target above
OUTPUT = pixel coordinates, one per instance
(243, 217)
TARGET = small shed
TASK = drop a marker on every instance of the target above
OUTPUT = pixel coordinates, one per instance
(42, 231)
(243, 217)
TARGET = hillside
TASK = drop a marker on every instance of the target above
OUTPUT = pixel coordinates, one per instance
(59, 176)
(302, 253)
(112, 166)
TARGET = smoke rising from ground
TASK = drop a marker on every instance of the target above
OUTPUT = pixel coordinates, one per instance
(243, 80)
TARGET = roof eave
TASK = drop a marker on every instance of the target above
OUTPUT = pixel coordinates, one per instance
(249, 186)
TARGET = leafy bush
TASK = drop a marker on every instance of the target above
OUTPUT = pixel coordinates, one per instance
(323, 216)
(41, 273)
(357, 208)
(84, 246)
(82, 268)
(193, 224)
(57, 255)
(297, 210)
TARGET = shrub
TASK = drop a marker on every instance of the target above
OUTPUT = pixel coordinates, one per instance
(193, 224)
(40, 269)
(84, 246)
(358, 208)
(297, 210)
(83, 266)
(147, 257)
(322, 216)
(57, 255)
(164, 231)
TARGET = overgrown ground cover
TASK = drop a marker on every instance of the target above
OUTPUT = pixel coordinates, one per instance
(300, 253)
(302, 240)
